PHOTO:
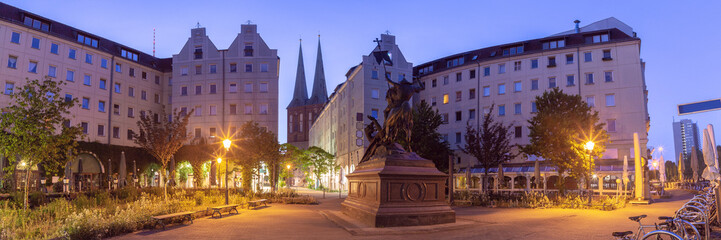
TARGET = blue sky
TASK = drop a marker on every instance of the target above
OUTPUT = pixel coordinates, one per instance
(679, 40)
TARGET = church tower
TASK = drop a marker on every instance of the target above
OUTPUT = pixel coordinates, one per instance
(302, 111)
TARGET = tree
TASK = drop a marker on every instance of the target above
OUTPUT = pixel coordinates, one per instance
(196, 153)
(317, 161)
(425, 139)
(257, 145)
(162, 138)
(559, 131)
(35, 128)
(489, 144)
(289, 155)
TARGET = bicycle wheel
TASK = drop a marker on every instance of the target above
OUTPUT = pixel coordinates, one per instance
(661, 235)
(687, 230)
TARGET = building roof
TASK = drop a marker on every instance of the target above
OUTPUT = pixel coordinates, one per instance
(533, 46)
(300, 93)
(16, 16)
(320, 93)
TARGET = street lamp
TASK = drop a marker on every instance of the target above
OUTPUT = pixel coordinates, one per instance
(589, 147)
(226, 145)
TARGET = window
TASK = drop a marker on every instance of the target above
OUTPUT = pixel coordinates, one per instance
(84, 126)
(70, 76)
(116, 132)
(264, 87)
(129, 55)
(88, 58)
(610, 100)
(458, 137)
(184, 91)
(87, 40)
(213, 89)
(518, 132)
(142, 113)
(248, 67)
(118, 67)
(198, 111)
(9, 88)
(501, 110)
(426, 70)
(472, 74)
(551, 62)
(157, 80)
(471, 114)
(198, 70)
(472, 93)
(459, 77)
(512, 50)
(52, 71)
(131, 112)
(517, 86)
(130, 134)
(233, 88)
(459, 96)
(116, 109)
(248, 87)
(374, 93)
(35, 43)
(589, 78)
(248, 109)
(101, 130)
(183, 111)
(131, 72)
(71, 53)
(611, 125)
(117, 87)
(459, 116)
(213, 68)
(198, 53)
(213, 110)
(198, 133)
(86, 80)
(374, 113)
(445, 99)
(534, 63)
(143, 95)
(15, 38)
(434, 83)
(264, 109)
(12, 62)
(102, 83)
(534, 109)
(455, 62)
(517, 108)
(157, 98)
(587, 57)
(233, 109)
(501, 68)
(554, 44)
(433, 101)
(131, 91)
(591, 101)
(445, 138)
(444, 118)
(248, 50)
(534, 84)
(608, 76)
(570, 81)
(263, 67)
(607, 55)
(233, 67)
(501, 89)
(54, 48)
(486, 91)
(104, 63)
(374, 74)
(569, 58)
(184, 71)
(212, 131)
(486, 71)
(517, 66)
(144, 75)
(198, 89)
(101, 106)
(33, 67)
(597, 38)
(445, 80)
(551, 82)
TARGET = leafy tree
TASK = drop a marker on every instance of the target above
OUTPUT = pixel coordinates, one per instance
(162, 138)
(196, 153)
(671, 171)
(490, 144)
(290, 156)
(317, 162)
(559, 132)
(35, 127)
(425, 139)
(257, 145)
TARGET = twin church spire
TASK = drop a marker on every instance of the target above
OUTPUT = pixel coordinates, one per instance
(300, 93)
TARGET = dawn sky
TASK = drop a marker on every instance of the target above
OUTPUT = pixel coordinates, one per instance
(679, 41)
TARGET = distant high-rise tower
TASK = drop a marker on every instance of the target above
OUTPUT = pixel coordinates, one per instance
(302, 111)
(685, 136)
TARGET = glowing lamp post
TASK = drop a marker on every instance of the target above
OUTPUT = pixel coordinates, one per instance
(589, 147)
(226, 145)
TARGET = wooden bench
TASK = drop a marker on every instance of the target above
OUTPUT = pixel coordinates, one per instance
(230, 207)
(257, 203)
(161, 219)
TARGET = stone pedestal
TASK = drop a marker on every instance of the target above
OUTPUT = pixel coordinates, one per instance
(396, 188)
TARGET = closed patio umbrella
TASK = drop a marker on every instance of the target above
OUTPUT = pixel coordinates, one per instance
(468, 176)
(537, 173)
(694, 164)
(709, 157)
(501, 178)
(681, 166)
(662, 169)
(122, 170)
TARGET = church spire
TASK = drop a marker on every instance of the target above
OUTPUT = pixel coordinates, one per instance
(320, 94)
(300, 94)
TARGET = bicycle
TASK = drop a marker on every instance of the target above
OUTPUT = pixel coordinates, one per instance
(657, 234)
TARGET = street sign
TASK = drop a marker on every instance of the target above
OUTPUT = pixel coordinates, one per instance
(699, 107)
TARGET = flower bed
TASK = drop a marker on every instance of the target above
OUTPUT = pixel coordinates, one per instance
(539, 200)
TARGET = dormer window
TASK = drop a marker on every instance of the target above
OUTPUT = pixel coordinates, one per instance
(597, 38)
(554, 44)
(84, 39)
(426, 70)
(37, 23)
(129, 55)
(198, 52)
(455, 62)
(512, 50)
(248, 51)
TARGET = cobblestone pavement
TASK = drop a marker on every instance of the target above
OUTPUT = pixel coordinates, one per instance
(280, 221)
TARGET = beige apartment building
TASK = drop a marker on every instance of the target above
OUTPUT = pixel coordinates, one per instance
(339, 126)
(601, 62)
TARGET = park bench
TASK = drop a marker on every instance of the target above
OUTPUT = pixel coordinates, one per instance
(161, 219)
(257, 203)
(230, 207)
